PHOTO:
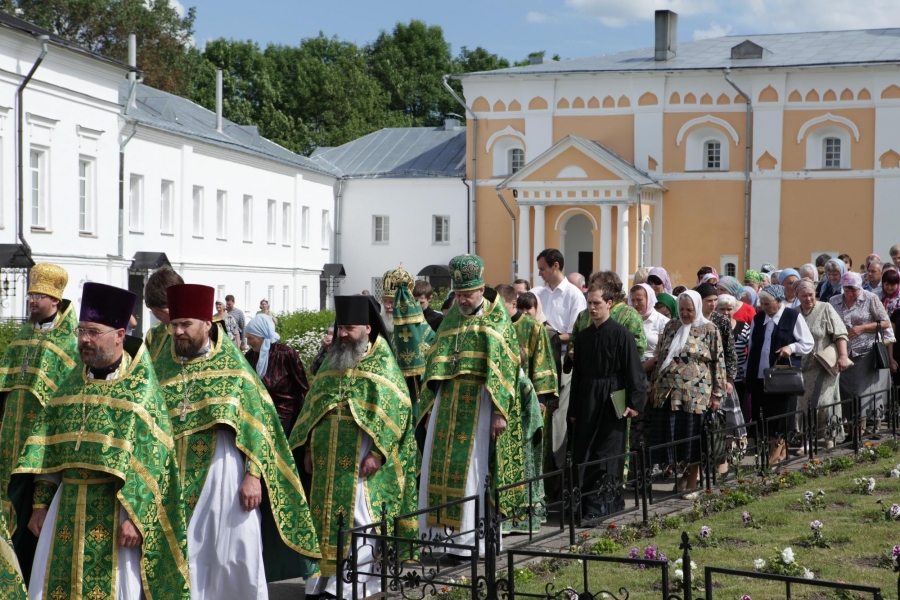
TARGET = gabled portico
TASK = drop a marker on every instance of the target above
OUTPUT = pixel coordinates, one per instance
(581, 176)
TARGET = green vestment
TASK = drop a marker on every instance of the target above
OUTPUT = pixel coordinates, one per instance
(222, 390)
(342, 405)
(12, 585)
(532, 455)
(111, 441)
(158, 337)
(470, 352)
(540, 366)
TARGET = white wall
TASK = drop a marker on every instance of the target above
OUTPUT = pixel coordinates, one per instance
(410, 204)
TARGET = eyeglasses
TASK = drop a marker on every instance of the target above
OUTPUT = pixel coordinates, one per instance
(37, 297)
(91, 333)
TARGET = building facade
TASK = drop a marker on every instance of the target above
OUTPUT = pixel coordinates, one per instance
(639, 158)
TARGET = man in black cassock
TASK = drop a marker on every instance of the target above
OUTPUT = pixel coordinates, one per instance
(606, 360)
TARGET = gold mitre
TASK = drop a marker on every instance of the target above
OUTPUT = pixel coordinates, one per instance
(48, 279)
(393, 279)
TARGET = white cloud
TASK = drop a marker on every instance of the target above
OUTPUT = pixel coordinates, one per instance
(538, 18)
(620, 13)
(715, 30)
(178, 6)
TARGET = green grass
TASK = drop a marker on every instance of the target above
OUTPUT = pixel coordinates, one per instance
(853, 523)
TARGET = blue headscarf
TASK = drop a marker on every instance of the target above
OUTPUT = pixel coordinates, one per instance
(776, 291)
(263, 326)
(785, 273)
(752, 293)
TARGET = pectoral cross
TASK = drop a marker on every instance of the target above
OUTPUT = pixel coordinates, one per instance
(188, 386)
(80, 436)
(454, 361)
(185, 406)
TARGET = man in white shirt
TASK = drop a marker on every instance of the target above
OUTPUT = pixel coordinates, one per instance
(561, 302)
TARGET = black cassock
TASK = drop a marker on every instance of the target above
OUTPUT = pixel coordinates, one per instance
(606, 360)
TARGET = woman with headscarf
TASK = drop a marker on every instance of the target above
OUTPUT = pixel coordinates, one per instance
(658, 279)
(733, 404)
(643, 299)
(778, 333)
(666, 305)
(732, 287)
(279, 367)
(707, 274)
(689, 380)
(753, 279)
(820, 385)
(749, 296)
(786, 279)
(831, 285)
(530, 304)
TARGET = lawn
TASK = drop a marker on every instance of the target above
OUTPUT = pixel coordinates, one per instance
(853, 524)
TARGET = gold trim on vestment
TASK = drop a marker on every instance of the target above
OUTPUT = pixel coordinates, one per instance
(129, 369)
(195, 406)
(38, 372)
(210, 373)
(120, 404)
(78, 543)
(69, 362)
(9, 555)
(74, 436)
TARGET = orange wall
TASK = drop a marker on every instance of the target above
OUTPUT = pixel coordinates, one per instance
(862, 155)
(494, 234)
(614, 131)
(674, 155)
(819, 214)
(487, 128)
(572, 156)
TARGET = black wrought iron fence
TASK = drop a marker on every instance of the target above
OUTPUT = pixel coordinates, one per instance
(790, 583)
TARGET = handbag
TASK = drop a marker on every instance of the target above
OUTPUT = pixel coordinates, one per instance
(882, 359)
(783, 379)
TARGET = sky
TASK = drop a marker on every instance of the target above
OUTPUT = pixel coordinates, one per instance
(514, 28)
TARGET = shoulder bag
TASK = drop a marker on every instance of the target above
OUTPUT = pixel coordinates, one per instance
(882, 359)
(783, 379)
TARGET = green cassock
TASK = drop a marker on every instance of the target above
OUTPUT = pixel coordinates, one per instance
(371, 398)
(12, 585)
(411, 340)
(223, 390)
(34, 364)
(470, 352)
(112, 442)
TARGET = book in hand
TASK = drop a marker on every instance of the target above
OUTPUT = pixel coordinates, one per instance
(618, 399)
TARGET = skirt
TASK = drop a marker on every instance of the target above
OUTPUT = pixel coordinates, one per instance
(668, 426)
(869, 383)
(734, 416)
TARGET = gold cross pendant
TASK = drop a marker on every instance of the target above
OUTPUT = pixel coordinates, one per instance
(80, 435)
(184, 406)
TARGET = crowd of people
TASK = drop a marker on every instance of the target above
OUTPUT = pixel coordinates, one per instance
(206, 460)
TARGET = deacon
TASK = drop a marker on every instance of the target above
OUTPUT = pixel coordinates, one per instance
(107, 504)
(468, 405)
(155, 299)
(42, 355)
(606, 360)
(412, 336)
(246, 512)
(357, 414)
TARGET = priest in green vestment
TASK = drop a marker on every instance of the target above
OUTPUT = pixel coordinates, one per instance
(107, 504)
(155, 299)
(12, 584)
(248, 520)
(468, 409)
(40, 357)
(356, 431)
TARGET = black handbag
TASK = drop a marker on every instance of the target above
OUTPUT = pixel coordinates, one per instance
(783, 379)
(882, 359)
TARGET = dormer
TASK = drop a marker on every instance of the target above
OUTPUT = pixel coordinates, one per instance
(748, 49)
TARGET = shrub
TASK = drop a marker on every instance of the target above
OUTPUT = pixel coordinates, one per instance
(303, 331)
(8, 332)
(605, 545)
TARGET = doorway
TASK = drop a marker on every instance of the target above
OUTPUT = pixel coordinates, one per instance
(578, 242)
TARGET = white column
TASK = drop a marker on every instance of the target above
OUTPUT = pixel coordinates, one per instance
(539, 233)
(658, 231)
(622, 244)
(605, 237)
(525, 258)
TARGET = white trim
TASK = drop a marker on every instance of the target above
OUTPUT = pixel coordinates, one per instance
(504, 132)
(559, 224)
(707, 119)
(572, 172)
(823, 119)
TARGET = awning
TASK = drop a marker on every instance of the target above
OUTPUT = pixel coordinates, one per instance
(333, 270)
(435, 271)
(15, 256)
(146, 261)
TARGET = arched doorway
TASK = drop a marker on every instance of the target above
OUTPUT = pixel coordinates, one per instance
(578, 245)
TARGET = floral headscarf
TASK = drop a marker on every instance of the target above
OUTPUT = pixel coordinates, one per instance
(753, 276)
(732, 286)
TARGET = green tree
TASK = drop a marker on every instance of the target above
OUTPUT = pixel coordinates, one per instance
(103, 26)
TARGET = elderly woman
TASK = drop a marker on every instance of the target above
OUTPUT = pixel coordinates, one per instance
(778, 333)
(735, 404)
(643, 300)
(749, 296)
(689, 380)
(640, 276)
(821, 385)
(732, 287)
(863, 314)
(809, 271)
(786, 279)
(658, 279)
(279, 367)
(831, 285)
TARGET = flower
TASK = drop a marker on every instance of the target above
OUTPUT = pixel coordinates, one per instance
(807, 574)
(894, 473)
(611, 526)
(662, 556)
(705, 532)
(871, 485)
(895, 511)
(821, 493)
(895, 552)
(746, 597)
(745, 517)
(634, 553)
(868, 444)
(679, 575)
(816, 525)
(650, 552)
(787, 555)
(809, 496)
(759, 564)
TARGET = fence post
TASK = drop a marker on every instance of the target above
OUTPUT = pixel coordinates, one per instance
(812, 415)
(857, 423)
(643, 479)
(762, 445)
(573, 501)
(706, 434)
(383, 561)
(686, 566)
(491, 537)
(340, 556)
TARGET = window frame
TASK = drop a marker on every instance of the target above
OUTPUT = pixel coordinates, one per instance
(87, 196)
(825, 152)
(381, 229)
(512, 153)
(247, 213)
(40, 217)
(166, 207)
(695, 145)
(286, 224)
(707, 146)
(198, 211)
(326, 229)
(304, 227)
(445, 229)
(221, 215)
(136, 203)
(271, 221)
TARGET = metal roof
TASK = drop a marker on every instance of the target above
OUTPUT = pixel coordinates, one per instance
(824, 48)
(400, 152)
(167, 112)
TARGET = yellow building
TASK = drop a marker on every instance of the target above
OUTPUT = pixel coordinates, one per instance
(645, 157)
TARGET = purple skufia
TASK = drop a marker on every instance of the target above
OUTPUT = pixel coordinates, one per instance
(107, 305)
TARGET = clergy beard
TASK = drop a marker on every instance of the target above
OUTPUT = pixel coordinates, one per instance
(346, 354)
(188, 346)
(388, 318)
(94, 356)
(469, 311)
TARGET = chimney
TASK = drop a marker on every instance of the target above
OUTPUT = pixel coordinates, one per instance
(666, 34)
(451, 124)
(132, 62)
(219, 100)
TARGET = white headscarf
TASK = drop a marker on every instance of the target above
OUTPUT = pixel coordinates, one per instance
(681, 335)
(651, 299)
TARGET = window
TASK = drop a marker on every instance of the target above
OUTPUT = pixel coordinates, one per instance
(85, 196)
(326, 230)
(504, 149)
(713, 156)
(248, 218)
(440, 229)
(221, 215)
(286, 224)
(38, 166)
(832, 153)
(270, 295)
(304, 227)
(381, 231)
(730, 269)
(220, 293)
(647, 243)
(377, 287)
(270, 222)
(303, 298)
(285, 298)
(166, 207)
(198, 211)
(516, 159)
(247, 304)
(728, 265)
(136, 204)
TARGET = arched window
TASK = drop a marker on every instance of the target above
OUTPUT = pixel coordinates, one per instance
(828, 147)
(831, 153)
(713, 155)
(730, 269)
(706, 149)
(646, 243)
(516, 160)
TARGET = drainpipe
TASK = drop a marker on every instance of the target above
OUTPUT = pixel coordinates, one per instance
(121, 246)
(338, 215)
(747, 166)
(515, 263)
(45, 47)
(640, 261)
(468, 216)
(473, 243)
